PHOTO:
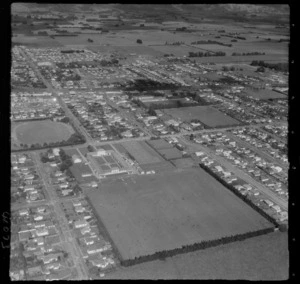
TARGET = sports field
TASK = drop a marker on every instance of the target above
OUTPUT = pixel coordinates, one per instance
(170, 153)
(206, 114)
(32, 132)
(141, 152)
(153, 213)
(159, 144)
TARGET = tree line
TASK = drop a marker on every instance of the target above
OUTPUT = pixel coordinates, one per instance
(206, 54)
(248, 53)
(284, 67)
(244, 198)
(211, 42)
(162, 255)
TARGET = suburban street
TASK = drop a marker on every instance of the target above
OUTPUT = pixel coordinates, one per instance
(68, 240)
(272, 196)
(260, 152)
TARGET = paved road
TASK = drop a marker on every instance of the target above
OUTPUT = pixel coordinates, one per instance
(281, 139)
(66, 235)
(260, 152)
(74, 119)
(126, 114)
(271, 195)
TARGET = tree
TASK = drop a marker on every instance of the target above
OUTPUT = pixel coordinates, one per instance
(44, 159)
(139, 41)
(90, 148)
(260, 69)
(151, 111)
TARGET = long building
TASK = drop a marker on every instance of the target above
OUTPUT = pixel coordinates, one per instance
(106, 163)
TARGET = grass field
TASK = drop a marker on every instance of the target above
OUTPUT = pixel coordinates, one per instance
(158, 167)
(41, 131)
(38, 41)
(262, 258)
(79, 169)
(105, 147)
(183, 163)
(170, 153)
(125, 50)
(177, 50)
(159, 144)
(161, 212)
(206, 114)
(141, 152)
(264, 94)
(243, 59)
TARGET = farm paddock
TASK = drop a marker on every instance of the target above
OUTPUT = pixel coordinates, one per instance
(206, 114)
(151, 213)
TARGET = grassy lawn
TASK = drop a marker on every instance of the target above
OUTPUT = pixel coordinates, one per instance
(261, 258)
(41, 132)
(208, 115)
(161, 212)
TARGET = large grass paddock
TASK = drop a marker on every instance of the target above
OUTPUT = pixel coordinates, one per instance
(205, 114)
(153, 213)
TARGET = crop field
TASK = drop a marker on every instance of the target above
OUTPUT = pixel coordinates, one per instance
(270, 48)
(214, 47)
(264, 94)
(127, 50)
(120, 38)
(206, 114)
(42, 131)
(38, 41)
(253, 259)
(161, 212)
(242, 59)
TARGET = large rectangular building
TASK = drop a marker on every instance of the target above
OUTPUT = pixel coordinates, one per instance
(108, 162)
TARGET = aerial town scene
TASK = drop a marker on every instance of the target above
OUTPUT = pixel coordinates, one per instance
(149, 141)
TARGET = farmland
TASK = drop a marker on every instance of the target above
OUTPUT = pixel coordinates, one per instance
(208, 115)
(149, 214)
(177, 50)
(252, 259)
(41, 132)
(264, 94)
